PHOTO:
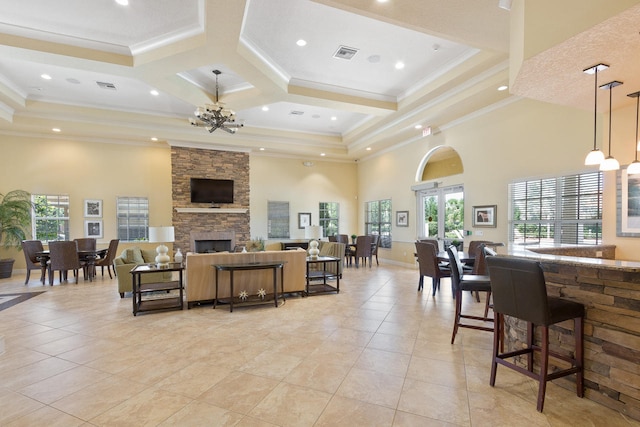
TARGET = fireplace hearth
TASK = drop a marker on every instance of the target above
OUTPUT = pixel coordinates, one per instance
(211, 246)
(212, 241)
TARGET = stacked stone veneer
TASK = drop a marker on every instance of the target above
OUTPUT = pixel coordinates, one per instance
(611, 297)
(189, 163)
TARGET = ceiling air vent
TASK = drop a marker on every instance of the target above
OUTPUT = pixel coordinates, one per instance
(105, 85)
(345, 52)
(296, 113)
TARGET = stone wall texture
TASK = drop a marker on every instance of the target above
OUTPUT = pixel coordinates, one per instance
(189, 163)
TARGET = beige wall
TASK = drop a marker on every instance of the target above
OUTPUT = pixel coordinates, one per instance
(521, 140)
(283, 179)
(87, 170)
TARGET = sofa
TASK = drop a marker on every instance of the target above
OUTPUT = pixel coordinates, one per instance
(200, 275)
(128, 259)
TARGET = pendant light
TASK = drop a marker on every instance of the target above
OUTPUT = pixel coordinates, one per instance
(595, 156)
(610, 163)
(634, 167)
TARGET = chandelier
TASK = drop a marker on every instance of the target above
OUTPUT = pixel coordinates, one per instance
(216, 116)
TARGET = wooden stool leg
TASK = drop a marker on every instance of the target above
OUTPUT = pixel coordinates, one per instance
(578, 324)
(456, 317)
(544, 366)
(530, 336)
(497, 338)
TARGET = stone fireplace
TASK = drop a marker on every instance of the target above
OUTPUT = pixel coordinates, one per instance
(213, 241)
(198, 221)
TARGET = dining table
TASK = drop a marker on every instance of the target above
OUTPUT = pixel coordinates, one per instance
(87, 256)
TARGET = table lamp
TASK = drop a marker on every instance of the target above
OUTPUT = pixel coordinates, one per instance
(313, 232)
(161, 235)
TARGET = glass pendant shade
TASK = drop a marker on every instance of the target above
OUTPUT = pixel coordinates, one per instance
(595, 157)
(633, 168)
(609, 164)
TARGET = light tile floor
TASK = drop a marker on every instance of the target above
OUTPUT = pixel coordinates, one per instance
(377, 354)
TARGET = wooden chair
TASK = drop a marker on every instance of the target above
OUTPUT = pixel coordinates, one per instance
(30, 248)
(63, 257)
(86, 244)
(343, 238)
(107, 259)
(375, 244)
(461, 282)
(519, 291)
(429, 266)
(363, 250)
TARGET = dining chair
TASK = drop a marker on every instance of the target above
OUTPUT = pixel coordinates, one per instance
(30, 248)
(86, 244)
(63, 257)
(107, 259)
(348, 253)
(375, 244)
(428, 263)
(520, 291)
(363, 250)
(461, 282)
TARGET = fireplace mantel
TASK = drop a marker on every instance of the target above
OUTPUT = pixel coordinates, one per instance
(213, 210)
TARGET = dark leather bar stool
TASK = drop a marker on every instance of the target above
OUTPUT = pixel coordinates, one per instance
(466, 282)
(519, 290)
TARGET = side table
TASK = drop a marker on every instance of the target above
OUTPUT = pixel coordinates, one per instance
(142, 291)
(322, 274)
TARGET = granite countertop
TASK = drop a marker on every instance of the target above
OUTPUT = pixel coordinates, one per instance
(610, 264)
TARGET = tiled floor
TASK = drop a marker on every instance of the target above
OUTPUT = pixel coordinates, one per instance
(377, 354)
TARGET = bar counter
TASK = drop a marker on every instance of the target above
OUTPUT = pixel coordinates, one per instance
(610, 292)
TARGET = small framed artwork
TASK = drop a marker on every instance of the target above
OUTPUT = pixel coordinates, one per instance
(484, 216)
(402, 218)
(93, 208)
(304, 219)
(93, 228)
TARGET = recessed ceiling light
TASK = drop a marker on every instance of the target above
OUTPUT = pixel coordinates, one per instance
(154, 92)
(503, 87)
(123, 2)
(382, 1)
(265, 108)
(261, 148)
(322, 154)
(418, 126)
(45, 76)
(334, 118)
(399, 65)
(56, 129)
(153, 138)
(301, 42)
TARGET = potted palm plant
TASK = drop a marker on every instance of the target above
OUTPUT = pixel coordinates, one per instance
(15, 220)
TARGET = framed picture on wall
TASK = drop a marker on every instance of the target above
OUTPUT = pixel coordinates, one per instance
(93, 228)
(484, 216)
(402, 218)
(93, 208)
(304, 219)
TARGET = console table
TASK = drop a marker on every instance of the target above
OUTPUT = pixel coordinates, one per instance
(247, 266)
(168, 300)
(322, 274)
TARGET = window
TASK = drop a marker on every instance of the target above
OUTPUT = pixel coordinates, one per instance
(441, 212)
(378, 220)
(278, 225)
(133, 218)
(564, 210)
(50, 217)
(329, 218)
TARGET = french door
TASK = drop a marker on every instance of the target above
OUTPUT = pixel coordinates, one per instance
(441, 212)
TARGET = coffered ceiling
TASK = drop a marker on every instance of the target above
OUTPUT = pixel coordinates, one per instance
(104, 59)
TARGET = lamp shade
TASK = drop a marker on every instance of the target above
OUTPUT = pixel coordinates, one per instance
(595, 157)
(313, 232)
(161, 234)
(633, 168)
(609, 164)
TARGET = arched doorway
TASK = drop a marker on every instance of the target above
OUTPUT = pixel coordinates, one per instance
(440, 209)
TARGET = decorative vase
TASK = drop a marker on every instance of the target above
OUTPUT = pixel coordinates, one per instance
(178, 256)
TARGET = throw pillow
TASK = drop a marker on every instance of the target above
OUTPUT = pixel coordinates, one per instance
(134, 256)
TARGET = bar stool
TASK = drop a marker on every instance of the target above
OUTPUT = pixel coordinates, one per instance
(466, 282)
(519, 290)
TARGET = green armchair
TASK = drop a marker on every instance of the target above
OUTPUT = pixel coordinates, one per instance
(333, 249)
(128, 259)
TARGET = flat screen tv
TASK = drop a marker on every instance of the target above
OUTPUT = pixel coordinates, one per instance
(205, 190)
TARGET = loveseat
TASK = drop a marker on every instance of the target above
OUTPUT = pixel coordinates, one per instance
(128, 259)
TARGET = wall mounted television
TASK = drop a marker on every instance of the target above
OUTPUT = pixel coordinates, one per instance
(205, 190)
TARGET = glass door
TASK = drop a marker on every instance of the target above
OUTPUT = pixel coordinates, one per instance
(441, 213)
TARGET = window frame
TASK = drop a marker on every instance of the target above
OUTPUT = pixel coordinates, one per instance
(64, 220)
(378, 217)
(124, 231)
(572, 205)
(329, 218)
